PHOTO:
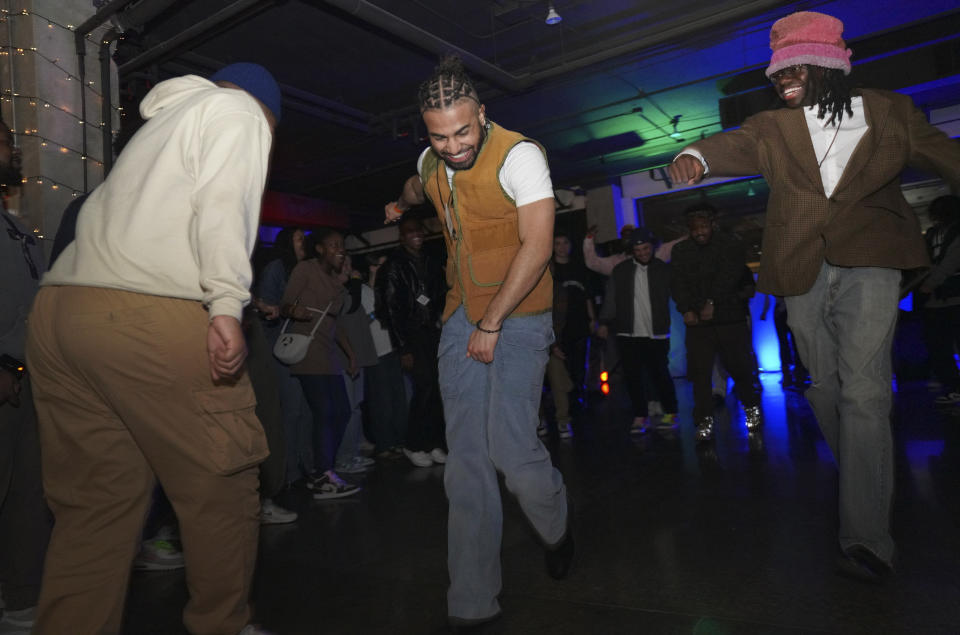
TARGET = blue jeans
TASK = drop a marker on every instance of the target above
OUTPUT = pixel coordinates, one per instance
(327, 397)
(491, 414)
(844, 330)
(350, 445)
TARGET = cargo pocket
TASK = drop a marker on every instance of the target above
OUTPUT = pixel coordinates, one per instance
(235, 434)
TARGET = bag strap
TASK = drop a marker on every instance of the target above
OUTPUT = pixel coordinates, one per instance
(323, 314)
(313, 331)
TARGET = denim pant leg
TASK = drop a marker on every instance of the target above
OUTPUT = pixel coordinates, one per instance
(491, 414)
(386, 402)
(297, 424)
(350, 445)
(844, 329)
(327, 397)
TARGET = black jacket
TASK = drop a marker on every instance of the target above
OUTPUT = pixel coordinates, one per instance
(713, 271)
(618, 302)
(409, 296)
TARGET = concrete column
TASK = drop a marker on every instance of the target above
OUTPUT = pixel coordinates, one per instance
(41, 90)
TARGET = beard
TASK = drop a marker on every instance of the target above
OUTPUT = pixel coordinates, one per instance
(466, 166)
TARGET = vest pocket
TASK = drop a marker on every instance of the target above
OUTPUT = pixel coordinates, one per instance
(489, 268)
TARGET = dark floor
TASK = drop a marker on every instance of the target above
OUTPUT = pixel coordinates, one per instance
(736, 538)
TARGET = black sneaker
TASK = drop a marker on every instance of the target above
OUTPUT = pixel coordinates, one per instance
(861, 564)
(329, 485)
(559, 557)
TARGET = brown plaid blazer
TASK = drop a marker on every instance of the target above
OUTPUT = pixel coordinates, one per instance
(866, 222)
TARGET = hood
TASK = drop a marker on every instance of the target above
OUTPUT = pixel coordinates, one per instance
(172, 92)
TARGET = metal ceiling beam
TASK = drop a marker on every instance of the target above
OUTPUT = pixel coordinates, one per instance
(198, 30)
(679, 28)
(372, 14)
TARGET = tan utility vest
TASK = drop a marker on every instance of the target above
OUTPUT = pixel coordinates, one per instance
(480, 226)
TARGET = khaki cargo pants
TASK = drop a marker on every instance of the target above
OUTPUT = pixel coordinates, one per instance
(124, 396)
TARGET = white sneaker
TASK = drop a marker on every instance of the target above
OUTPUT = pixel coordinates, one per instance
(365, 461)
(273, 514)
(438, 455)
(947, 399)
(565, 430)
(251, 629)
(158, 555)
(420, 459)
(18, 622)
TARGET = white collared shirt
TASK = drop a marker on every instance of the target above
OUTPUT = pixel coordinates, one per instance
(833, 147)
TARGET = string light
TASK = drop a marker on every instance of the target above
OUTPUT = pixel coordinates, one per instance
(6, 13)
(54, 185)
(33, 101)
(63, 149)
(96, 38)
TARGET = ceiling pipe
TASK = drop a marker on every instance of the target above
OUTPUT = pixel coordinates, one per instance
(196, 31)
(99, 18)
(681, 27)
(142, 12)
(80, 41)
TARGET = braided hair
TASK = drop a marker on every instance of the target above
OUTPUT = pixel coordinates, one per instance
(448, 84)
(833, 93)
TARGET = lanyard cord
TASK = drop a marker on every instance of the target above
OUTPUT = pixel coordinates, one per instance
(446, 205)
(835, 133)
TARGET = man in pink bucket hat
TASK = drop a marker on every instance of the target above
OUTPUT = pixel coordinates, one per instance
(838, 235)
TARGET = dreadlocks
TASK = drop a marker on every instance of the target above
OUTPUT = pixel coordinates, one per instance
(833, 93)
(448, 84)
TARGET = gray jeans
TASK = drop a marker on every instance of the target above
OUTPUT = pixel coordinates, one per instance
(491, 413)
(844, 329)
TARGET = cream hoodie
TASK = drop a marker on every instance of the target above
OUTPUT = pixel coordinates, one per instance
(177, 216)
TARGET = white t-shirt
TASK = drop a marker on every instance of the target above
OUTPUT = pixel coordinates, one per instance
(525, 176)
(381, 336)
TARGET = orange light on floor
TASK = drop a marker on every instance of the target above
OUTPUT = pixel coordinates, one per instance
(605, 388)
(604, 376)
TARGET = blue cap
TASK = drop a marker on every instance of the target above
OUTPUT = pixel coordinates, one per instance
(254, 79)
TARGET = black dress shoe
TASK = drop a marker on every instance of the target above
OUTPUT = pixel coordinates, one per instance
(861, 564)
(559, 557)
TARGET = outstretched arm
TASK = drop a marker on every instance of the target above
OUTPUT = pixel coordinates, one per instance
(411, 195)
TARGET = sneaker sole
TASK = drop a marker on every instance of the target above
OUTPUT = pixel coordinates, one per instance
(157, 567)
(277, 521)
(318, 496)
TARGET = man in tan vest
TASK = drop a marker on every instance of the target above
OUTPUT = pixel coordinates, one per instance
(492, 191)
(838, 233)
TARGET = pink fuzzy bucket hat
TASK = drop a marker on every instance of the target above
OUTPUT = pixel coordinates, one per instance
(808, 37)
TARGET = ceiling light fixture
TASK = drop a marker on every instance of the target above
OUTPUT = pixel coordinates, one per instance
(676, 135)
(552, 16)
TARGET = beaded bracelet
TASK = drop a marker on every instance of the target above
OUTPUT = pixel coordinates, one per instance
(480, 328)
